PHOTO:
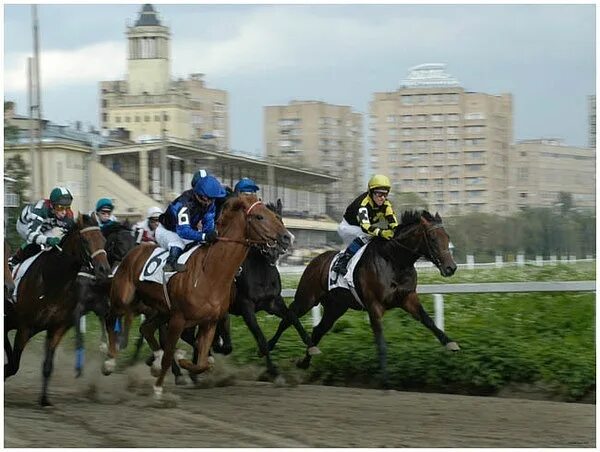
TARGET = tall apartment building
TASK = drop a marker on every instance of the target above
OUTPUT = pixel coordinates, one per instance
(448, 145)
(326, 137)
(542, 168)
(592, 121)
(149, 101)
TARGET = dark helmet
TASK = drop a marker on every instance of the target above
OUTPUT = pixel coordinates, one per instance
(104, 203)
(197, 176)
(246, 185)
(210, 187)
(61, 195)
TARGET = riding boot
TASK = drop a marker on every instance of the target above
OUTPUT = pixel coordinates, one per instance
(172, 265)
(341, 266)
(23, 253)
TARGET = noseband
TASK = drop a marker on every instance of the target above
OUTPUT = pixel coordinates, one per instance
(93, 255)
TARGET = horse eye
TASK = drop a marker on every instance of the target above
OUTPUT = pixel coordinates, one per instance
(260, 217)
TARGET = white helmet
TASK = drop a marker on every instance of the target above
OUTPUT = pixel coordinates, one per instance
(154, 212)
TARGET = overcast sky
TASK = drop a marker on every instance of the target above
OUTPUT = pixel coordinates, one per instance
(544, 55)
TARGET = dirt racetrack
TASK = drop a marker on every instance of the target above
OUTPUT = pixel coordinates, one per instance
(119, 411)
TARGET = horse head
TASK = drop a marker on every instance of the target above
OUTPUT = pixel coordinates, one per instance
(262, 226)
(85, 243)
(119, 241)
(431, 238)
(272, 253)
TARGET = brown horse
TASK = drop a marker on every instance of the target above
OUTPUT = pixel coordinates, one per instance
(385, 278)
(200, 295)
(43, 302)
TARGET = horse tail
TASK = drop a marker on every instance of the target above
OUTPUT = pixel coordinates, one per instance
(313, 285)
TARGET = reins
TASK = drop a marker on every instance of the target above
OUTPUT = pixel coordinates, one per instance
(435, 259)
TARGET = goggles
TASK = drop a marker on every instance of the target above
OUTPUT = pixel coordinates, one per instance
(106, 211)
(60, 207)
(380, 193)
(153, 219)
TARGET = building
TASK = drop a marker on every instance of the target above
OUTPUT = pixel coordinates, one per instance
(323, 136)
(592, 121)
(542, 168)
(93, 166)
(149, 102)
(448, 145)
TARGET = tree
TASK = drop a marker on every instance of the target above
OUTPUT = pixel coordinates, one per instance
(565, 202)
(16, 168)
(407, 201)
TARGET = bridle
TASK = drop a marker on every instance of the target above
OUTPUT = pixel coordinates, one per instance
(249, 242)
(91, 256)
(433, 256)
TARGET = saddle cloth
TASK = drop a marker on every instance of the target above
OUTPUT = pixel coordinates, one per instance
(20, 270)
(153, 268)
(347, 281)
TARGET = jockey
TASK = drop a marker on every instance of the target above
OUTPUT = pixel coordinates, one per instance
(370, 215)
(104, 209)
(245, 186)
(148, 226)
(176, 226)
(39, 223)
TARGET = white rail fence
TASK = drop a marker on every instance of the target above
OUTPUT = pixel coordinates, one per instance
(438, 291)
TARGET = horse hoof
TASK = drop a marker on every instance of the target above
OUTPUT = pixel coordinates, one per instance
(180, 380)
(78, 373)
(314, 350)
(103, 348)
(155, 371)
(158, 392)
(109, 366)
(179, 354)
(453, 346)
(279, 381)
(211, 360)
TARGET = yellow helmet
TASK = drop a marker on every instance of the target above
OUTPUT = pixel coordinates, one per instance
(379, 181)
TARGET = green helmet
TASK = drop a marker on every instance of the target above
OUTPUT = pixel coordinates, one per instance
(61, 195)
(104, 203)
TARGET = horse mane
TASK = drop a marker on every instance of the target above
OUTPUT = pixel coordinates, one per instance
(229, 208)
(411, 217)
(115, 227)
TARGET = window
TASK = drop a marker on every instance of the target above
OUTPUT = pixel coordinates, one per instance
(452, 117)
(475, 115)
(393, 144)
(474, 168)
(454, 181)
(137, 119)
(146, 118)
(437, 130)
(406, 100)
(407, 132)
(452, 130)
(157, 118)
(407, 145)
(421, 118)
(104, 117)
(406, 118)
(127, 119)
(523, 195)
(453, 155)
(390, 118)
(422, 170)
(452, 144)
(437, 118)
(118, 119)
(104, 103)
(421, 98)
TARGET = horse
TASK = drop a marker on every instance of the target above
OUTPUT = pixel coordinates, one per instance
(43, 301)
(257, 287)
(9, 283)
(385, 278)
(199, 296)
(91, 294)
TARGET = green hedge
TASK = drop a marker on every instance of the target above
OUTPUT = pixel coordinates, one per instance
(544, 340)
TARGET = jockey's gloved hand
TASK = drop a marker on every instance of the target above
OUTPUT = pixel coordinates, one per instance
(386, 234)
(53, 241)
(211, 236)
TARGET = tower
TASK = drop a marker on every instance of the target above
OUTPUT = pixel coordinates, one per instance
(148, 70)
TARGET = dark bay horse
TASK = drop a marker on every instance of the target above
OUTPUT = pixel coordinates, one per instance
(43, 296)
(199, 296)
(385, 278)
(91, 294)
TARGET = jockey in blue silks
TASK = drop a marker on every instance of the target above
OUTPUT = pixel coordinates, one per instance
(189, 218)
(246, 186)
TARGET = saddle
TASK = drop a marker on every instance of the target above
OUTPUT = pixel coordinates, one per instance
(152, 270)
(345, 282)
(20, 269)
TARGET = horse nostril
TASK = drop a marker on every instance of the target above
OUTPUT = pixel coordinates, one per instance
(286, 239)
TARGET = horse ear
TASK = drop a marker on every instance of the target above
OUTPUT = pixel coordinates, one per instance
(424, 222)
(279, 207)
(437, 217)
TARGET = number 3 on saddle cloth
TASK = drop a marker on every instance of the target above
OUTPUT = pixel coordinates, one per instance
(153, 268)
(347, 281)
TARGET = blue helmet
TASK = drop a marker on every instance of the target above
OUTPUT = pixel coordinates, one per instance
(210, 187)
(104, 203)
(246, 185)
(197, 176)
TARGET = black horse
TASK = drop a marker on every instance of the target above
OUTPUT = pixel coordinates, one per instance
(385, 278)
(91, 294)
(256, 288)
(43, 299)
